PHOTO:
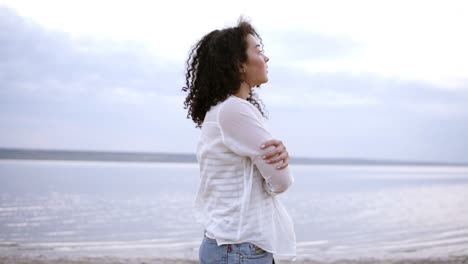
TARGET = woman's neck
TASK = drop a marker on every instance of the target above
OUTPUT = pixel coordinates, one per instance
(244, 90)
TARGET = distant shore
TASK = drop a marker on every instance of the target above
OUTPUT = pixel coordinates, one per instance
(82, 155)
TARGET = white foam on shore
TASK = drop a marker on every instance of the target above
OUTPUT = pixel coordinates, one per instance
(93, 163)
(321, 250)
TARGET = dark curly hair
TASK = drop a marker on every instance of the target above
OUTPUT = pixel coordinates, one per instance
(213, 70)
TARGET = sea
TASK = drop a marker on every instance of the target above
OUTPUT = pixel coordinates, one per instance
(95, 208)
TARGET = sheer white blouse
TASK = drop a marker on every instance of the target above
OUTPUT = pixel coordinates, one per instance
(237, 197)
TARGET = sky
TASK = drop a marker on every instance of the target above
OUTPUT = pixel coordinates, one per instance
(347, 79)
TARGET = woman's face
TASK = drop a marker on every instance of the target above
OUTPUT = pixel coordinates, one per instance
(255, 69)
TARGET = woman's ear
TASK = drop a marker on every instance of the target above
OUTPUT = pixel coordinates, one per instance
(243, 68)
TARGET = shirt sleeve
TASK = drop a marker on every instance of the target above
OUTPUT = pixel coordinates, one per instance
(243, 132)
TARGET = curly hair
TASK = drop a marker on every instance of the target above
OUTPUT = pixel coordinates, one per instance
(213, 70)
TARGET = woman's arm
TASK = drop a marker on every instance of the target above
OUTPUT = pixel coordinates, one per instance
(243, 132)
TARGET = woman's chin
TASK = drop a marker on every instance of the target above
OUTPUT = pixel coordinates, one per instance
(260, 82)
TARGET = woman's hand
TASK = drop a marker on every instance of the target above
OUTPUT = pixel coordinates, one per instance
(277, 154)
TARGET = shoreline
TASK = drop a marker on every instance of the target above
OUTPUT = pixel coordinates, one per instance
(43, 259)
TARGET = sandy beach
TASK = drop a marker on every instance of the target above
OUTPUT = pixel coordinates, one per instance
(42, 259)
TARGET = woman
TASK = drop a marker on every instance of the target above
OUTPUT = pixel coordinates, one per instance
(242, 168)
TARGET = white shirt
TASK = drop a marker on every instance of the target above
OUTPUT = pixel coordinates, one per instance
(237, 197)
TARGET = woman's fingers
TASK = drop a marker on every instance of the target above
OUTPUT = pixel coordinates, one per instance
(281, 156)
(284, 157)
(284, 165)
(272, 142)
(275, 152)
(276, 155)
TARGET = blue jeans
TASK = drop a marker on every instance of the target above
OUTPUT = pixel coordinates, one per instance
(210, 253)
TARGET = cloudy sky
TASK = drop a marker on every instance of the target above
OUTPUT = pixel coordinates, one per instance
(352, 79)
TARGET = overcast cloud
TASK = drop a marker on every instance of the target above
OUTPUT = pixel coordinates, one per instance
(63, 92)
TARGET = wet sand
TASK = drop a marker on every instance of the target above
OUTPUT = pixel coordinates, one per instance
(42, 259)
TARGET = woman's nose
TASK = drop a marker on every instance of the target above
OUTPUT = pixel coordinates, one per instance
(266, 58)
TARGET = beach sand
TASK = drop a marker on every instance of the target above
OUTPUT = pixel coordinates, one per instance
(88, 260)
(42, 259)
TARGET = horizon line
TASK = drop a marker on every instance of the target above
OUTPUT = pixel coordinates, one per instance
(146, 156)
